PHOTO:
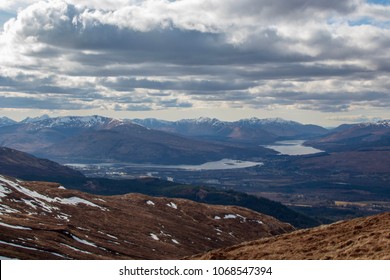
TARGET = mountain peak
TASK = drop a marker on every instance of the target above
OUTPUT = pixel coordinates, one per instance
(255, 120)
(35, 119)
(201, 120)
(72, 121)
(4, 121)
(381, 123)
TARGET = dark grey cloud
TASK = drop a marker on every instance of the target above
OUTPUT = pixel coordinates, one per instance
(132, 107)
(175, 103)
(304, 71)
(44, 103)
(325, 101)
(129, 84)
(28, 84)
(292, 8)
(173, 46)
(231, 96)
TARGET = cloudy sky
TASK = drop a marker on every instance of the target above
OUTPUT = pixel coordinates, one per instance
(318, 61)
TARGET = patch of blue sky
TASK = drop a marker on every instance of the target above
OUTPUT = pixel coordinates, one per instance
(369, 21)
(380, 2)
(362, 21)
(4, 17)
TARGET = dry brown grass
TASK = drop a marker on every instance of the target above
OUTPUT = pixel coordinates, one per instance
(122, 227)
(364, 238)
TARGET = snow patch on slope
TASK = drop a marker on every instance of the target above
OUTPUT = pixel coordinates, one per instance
(230, 216)
(83, 241)
(40, 199)
(154, 236)
(149, 202)
(4, 191)
(75, 249)
(172, 205)
(64, 217)
(77, 200)
(29, 203)
(5, 209)
(14, 227)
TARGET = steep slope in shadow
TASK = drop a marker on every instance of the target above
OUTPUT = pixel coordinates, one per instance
(25, 166)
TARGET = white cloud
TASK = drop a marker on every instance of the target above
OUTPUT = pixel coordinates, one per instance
(156, 54)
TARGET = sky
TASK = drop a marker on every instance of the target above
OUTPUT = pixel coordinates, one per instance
(320, 61)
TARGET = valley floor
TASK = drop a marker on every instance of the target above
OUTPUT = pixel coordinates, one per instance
(306, 184)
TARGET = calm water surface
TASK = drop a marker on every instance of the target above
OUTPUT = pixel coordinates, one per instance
(293, 148)
(212, 165)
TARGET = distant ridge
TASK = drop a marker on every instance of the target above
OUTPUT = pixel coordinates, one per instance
(249, 131)
(353, 137)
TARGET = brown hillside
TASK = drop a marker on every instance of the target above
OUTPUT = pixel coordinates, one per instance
(363, 238)
(45, 221)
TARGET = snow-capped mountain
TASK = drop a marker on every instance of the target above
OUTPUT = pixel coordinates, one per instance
(35, 119)
(381, 123)
(159, 124)
(4, 121)
(370, 135)
(202, 121)
(253, 130)
(200, 128)
(257, 121)
(72, 122)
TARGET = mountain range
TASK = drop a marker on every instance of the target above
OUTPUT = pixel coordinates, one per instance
(248, 131)
(101, 139)
(187, 141)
